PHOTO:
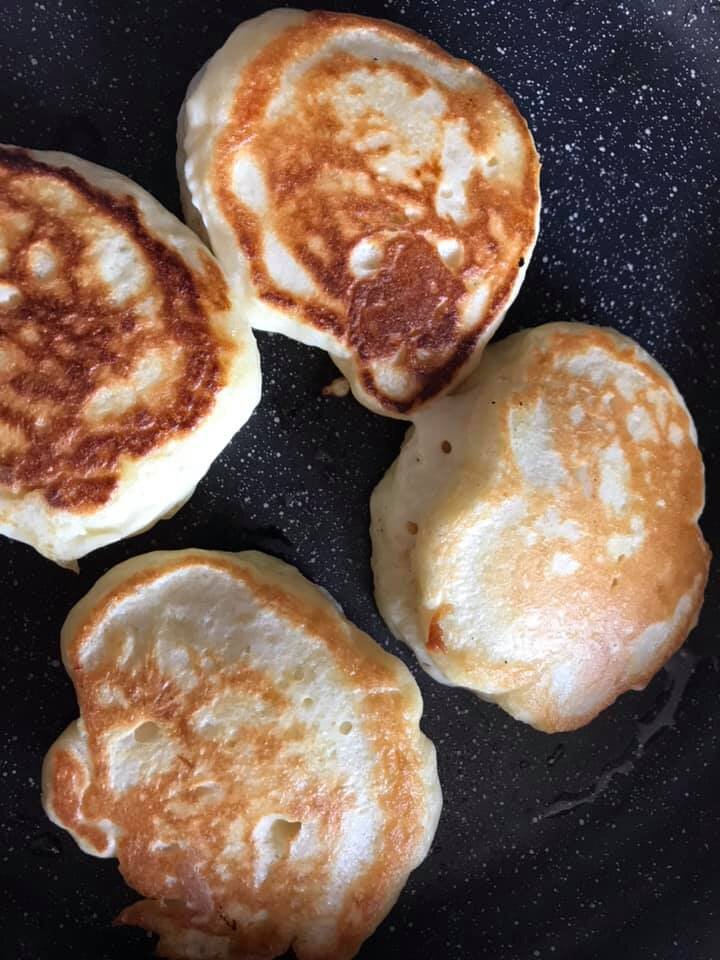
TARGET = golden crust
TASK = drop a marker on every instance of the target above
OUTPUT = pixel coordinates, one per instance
(327, 193)
(561, 564)
(186, 839)
(65, 335)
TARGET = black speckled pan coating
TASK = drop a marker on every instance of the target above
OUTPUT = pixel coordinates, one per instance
(602, 843)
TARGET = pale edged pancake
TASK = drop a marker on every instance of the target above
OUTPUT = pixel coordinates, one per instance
(252, 759)
(375, 196)
(537, 538)
(126, 364)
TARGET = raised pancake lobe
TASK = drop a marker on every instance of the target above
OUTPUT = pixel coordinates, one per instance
(377, 197)
(119, 340)
(537, 538)
(251, 758)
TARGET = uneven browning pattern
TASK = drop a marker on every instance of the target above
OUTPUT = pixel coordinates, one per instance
(252, 811)
(105, 346)
(561, 564)
(388, 199)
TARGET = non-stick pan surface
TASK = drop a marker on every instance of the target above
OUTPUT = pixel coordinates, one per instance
(603, 843)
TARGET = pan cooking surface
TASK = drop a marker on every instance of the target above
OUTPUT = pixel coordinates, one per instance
(594, 844)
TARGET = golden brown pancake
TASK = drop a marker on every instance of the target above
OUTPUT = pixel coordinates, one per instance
(251, 758)
(537, 539)
(124, 365)
(375, 196)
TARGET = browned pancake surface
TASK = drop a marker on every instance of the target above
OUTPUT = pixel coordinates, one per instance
(70, 345)
(325, 195)
(246, 748)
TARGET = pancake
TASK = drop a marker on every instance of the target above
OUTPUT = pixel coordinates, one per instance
(126, 364)
(537, 538)
(251, 758)
(375, 196)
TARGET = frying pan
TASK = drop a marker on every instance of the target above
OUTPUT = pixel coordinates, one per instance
(601, 843)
